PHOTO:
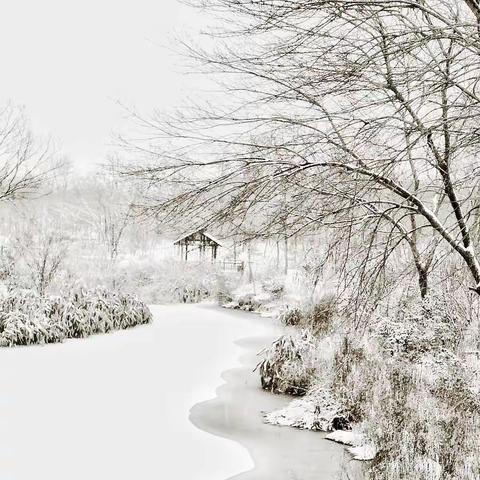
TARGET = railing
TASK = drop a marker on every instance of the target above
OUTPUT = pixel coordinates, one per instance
(237, 266)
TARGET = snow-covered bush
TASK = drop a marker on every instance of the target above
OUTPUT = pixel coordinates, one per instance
(245, 297)
(423, 328)
(317, 317)
(317, 410)
(414, 397)
(27, 318)
(290, 364)
(167, 280)
(422, 428)
(154, 280)
(250, 302)
(321, 315)
(275, 287)
(291, 316)
(352, 378)
(8, 274)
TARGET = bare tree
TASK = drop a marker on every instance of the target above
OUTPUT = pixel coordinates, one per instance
(25, 164)
(41, 249)
(367, 110)
(107, 210)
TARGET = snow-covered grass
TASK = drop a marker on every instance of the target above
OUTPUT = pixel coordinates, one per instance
(289, 365)
(167, 280)
(154, 279)
(27, 318)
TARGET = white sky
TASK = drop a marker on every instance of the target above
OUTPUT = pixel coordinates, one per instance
(68, 62)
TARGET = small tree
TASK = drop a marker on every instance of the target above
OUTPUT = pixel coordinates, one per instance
(107, 211)
(41, 251)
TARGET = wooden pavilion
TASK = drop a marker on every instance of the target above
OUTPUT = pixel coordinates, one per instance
(197, 245)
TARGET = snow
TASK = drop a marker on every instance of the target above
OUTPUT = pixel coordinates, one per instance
(314, 411)
(358, 446)
(116, 406)
(346, 437)
(363, 452)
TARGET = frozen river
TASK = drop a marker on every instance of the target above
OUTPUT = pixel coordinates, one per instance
(117, 406)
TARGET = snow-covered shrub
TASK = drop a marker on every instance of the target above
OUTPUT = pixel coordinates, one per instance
(155, 280)
(421, 427)
(275, 287)
(99, 311)
(190, 294)
(20, 328)
(321, 315)
(27, 318)
(249, 302)
(317, 410)
(413, 396)
(246, 298)
(405, 386)
(291, 316)
(317, 317)
(167, 280)
(8, 274)
(352, 378)
(290, 364)
(423, 328)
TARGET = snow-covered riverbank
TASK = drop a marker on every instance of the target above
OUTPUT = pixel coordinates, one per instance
(117, 406)
(282, 453)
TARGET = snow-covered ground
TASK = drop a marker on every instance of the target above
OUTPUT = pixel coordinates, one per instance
(116, 406)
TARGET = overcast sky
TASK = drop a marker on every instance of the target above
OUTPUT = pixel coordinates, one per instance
(69, 62)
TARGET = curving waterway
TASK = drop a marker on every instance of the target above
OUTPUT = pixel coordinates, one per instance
(174, 400)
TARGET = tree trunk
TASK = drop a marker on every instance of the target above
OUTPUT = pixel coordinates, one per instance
(250, 271)
(474, 6)
(278, 254)
(423, 281)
